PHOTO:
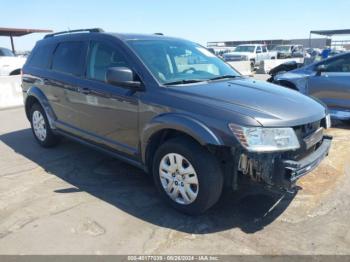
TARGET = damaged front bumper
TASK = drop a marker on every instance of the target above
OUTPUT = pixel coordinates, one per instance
(293, 170)
(281, 169)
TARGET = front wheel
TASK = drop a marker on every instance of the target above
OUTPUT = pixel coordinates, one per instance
(252, 65)
(187, 176)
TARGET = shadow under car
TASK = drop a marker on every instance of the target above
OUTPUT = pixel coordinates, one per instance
(131, 190)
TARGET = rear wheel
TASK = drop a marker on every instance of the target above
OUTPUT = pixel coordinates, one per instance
(15, 72)
(41, 128)
(187, 176)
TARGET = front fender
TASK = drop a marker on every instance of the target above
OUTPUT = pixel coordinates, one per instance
(182, 123)
(299, 81)
(44, 102)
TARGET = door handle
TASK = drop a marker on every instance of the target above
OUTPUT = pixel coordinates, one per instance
(85, 91)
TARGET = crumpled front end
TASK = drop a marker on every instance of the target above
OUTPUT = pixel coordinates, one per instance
(282, 169)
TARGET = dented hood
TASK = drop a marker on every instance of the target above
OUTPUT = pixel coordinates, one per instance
(269, 104)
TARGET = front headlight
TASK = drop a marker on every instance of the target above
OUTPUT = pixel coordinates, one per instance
(261, 139)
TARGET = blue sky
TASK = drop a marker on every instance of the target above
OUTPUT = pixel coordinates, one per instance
(200, 21)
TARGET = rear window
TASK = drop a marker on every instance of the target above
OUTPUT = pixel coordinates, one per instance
(69, 58)
(41, 56)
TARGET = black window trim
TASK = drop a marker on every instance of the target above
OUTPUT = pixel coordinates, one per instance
(51, 58)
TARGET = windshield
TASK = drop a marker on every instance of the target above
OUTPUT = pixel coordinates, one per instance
(245, 48)
(175, 60)
(282, 48)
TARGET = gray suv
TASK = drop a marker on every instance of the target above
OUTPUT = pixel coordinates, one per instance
(172, 108)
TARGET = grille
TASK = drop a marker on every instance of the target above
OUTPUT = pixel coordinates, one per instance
(233, 58)
(302, 132)
(307, 129)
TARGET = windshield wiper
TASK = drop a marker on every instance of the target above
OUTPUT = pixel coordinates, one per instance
(184, 81)
(224, 77)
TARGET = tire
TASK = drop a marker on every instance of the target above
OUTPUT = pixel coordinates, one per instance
(252, 65)
(207, 173)
(41, 128)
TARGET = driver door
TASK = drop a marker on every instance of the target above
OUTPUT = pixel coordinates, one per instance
(108, 113)
(332, 85)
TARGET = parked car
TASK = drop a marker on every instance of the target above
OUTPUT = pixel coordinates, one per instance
(282, 68)
(313, 51)
(253, 53)
(220, 51)
(9, 63)
(174, 109)
(289, 51)
(327, 80)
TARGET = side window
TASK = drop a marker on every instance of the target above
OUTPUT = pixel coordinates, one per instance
(102, 57)
(264, 49)
(41, 56)
(69, 58)
(258, 49)
(341, 64)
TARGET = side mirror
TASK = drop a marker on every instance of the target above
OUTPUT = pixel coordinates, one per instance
(122, 76)
(320, 69)
(258, 51)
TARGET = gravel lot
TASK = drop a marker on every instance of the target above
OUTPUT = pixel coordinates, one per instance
(73, 200)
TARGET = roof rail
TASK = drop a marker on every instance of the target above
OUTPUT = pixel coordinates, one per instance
(90, 30)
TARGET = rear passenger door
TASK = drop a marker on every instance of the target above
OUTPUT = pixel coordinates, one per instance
(63, 86)
(108, 114)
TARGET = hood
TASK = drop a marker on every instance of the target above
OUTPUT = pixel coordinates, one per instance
(269, 104)
(291, 75)
(297, 73)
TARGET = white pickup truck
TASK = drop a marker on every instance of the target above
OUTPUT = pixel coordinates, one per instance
(9, 63)
(252, 52)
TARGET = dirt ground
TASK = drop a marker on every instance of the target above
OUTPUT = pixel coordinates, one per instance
(74, 200)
